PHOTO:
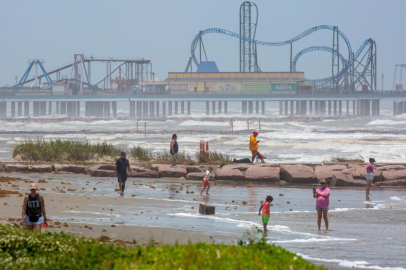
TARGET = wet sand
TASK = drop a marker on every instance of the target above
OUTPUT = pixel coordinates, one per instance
(362, 234)
(60, 208)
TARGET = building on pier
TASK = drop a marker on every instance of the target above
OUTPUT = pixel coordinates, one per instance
(237, 82)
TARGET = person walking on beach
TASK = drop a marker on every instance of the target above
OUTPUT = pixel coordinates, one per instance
(206, 183)
(254, 147)
(33, 214)
(322, 196)
(370, 176)
(174, 150)
(120, 170)
(266, 211)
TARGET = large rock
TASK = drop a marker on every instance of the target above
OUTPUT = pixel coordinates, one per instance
(328, 171)
(100, 170)
(262, 173)
(360, 172)
(165, 170)
(229, 173)
(15, 167)
(195, 169)
(145, 174)
(298, 174)
(342, 179)
(394, 175)
(42, 168)
(69, 168)
(392, 183)
(199, 176)
(240, 167)
(383, 168)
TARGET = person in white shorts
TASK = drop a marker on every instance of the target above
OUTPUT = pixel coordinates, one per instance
(370, 176)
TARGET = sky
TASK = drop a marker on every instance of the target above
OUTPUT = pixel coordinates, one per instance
(162, 31)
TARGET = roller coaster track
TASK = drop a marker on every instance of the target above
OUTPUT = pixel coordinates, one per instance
(352, 58)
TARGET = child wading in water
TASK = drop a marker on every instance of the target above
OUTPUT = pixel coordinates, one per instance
(206, 183)
(266, 211)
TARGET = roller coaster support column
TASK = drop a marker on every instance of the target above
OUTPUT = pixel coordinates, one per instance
(176, 107)
(157, 109)
(213, 108)
(77, 108)
(63, 107)
(35, 109)
(20, 109)
(335, 107)
(219, 104)
(139, 109)
(207, 108)
(169, 108)
(164, 109)
(353, 107)
(329, 108)
(348, 107)
(297, 107)
(340, 108)
(291, 108)
(323, 107)
(257, 107)
(310, 107)
(182, 107)
(188, 108)
(250, 107)
(57, 104)
(225, 107)
(114, 108)
(26, 108)
(13, 109)
(131, 109)
(49, 107)
(152, 109)
(280, 107)
(43, 110)
(244, 107)
(3, 109)
(286, 107)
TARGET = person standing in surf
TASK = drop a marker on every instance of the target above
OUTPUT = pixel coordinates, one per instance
(254, 147)
(266, 211)
(370, 176)
(174, 150)
(206, 183)
(33, 214)
(120, 170)
(322, 196)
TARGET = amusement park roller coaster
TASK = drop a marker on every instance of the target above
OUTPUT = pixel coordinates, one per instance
(357, 69)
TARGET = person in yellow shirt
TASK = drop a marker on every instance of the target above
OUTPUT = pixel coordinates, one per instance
(254, 147)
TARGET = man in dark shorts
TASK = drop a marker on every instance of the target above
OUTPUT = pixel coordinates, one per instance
(120, 170)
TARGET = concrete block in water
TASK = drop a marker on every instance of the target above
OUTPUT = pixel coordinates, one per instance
(206, 209)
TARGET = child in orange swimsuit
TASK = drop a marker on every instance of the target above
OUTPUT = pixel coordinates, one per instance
(266, 211)
(206, 183)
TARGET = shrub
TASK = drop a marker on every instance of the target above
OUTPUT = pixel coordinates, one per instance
(60, 150)
(22, 249)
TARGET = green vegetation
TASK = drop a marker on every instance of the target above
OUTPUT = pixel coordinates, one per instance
(84, 153)
(335, 159)
(21, 249)
(60, 150)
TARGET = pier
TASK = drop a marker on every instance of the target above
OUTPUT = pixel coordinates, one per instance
(162, 106)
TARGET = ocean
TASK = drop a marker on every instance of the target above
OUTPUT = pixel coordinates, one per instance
(381, 136)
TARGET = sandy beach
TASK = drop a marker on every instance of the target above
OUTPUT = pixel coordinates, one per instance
(165, 211)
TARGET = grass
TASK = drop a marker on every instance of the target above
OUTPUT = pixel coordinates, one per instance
(84, 152)
(60, 150)
(21, 249)
(335, 159)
